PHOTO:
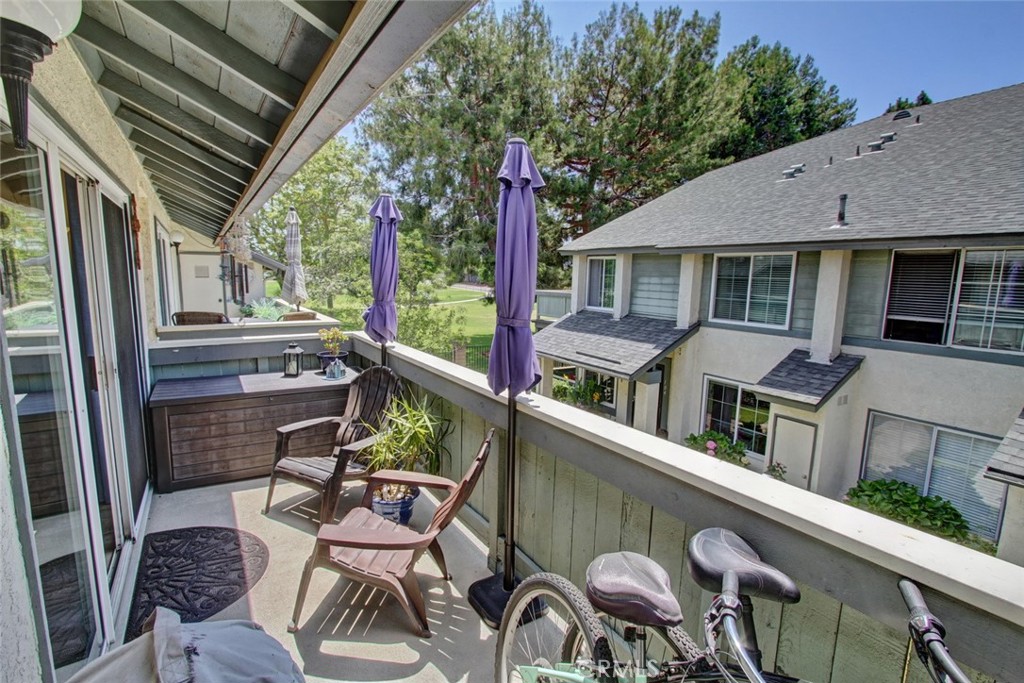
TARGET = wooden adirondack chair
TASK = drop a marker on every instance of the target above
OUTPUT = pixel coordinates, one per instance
(370, 549)
(368, 398)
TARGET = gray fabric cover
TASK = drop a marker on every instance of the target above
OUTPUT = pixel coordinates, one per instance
(234, 651)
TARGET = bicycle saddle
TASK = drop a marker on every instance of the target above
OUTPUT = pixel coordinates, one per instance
(633, 588)
(714, 551)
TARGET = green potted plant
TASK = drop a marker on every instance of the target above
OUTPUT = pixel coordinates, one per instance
(412, 437)
(332, 338)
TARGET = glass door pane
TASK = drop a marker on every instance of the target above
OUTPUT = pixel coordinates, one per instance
(35, 338)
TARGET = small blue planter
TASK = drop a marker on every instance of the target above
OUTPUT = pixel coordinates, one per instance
(399, 511)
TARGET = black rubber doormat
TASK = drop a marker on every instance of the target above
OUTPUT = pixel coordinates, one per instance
(195, 571)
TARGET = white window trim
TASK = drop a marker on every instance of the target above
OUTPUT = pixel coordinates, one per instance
(947, 341)
(586, 284)
(740, 386)
(746, 323)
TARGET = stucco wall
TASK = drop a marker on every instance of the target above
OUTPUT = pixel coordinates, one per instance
(62, 80)
(19, 648)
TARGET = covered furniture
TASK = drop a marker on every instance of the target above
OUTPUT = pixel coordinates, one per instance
(368, 399)
(198, 318)
(367, 548)
(208, 652)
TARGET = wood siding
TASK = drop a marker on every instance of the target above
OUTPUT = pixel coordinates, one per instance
(865, 298)
(804, 291)
(654, 286)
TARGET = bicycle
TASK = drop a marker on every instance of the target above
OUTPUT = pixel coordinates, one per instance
(551, 631)
(626, 627)
(929, 635)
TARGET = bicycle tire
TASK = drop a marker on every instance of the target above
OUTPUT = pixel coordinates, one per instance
(668, 645)
(568, 624)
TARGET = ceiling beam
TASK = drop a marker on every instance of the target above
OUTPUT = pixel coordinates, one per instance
(168, 113)
(187, 194)
(206, 189)
(172, 200)
(195, 91)
(193, 224)
(152, 147)
(326, 16)
(227, 52)
(195, 216)
(187, 147)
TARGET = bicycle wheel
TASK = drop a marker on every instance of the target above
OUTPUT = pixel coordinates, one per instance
(547, 622)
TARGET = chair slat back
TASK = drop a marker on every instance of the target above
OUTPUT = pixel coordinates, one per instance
(450, 506)
(368, 398)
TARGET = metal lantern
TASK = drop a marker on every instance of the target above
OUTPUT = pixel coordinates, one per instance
(292, 360)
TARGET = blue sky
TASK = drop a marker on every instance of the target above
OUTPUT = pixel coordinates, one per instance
(873, 51)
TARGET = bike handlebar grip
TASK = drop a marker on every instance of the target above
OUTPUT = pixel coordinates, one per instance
(913, 599)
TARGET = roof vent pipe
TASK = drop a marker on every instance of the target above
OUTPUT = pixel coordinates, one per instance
(917, 119)
(858, 151)
(830, 161)
(842, 209)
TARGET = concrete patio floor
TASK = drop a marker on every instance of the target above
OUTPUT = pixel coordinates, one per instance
(348, 631)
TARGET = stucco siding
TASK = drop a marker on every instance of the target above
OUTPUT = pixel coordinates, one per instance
(63, 82)
(19, 648)
(865, 297)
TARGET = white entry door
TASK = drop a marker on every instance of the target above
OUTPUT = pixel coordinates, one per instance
(793, 447)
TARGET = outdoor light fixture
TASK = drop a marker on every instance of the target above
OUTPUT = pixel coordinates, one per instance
(177, 238)
(292, 360)
(28, 31)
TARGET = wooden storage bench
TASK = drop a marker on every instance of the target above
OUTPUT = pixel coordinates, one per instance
(214, 429)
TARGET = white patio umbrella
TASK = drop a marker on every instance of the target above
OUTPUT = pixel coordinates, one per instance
(293, 289)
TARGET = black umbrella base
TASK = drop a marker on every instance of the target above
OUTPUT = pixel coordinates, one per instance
(488, 597)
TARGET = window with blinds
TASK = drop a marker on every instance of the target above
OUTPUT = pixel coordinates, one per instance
(990, 307)
(938, 462)
(920, 291)
(754, 289)
(601, 283)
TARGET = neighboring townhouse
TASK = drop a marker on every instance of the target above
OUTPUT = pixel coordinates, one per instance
(850, 306)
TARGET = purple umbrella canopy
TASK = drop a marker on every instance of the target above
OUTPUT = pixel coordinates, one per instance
(293, 289)
(513, 361)
(382, 317)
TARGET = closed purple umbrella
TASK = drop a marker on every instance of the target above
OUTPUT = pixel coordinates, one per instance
(382, 317)
(513, 361)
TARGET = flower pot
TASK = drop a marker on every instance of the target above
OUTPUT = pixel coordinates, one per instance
(398, 511)
(326, 358)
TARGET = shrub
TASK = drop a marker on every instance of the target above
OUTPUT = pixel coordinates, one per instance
(776, 471)
(902, 502)
(264, 308)
(719, 445)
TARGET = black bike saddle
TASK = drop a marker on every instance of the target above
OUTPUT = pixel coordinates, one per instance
(714, 551)
(633, 588)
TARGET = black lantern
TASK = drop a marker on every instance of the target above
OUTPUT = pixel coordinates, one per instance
(292, 360)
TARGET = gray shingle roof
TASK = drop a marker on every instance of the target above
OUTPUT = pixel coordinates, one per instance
(960, 172)
(622, 348)
(796, 378)
(1008, 463)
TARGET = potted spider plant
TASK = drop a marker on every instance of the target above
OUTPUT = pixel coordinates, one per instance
(412, 438)
(332, 338)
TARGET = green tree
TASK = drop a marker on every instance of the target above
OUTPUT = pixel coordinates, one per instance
(439, 131)
(905, 103)
(643, 112)
(332, 194)
(782, 99)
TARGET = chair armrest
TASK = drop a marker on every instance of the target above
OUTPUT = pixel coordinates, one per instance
(306, 424)
(356, 447)
(401, 538)
(402, 477)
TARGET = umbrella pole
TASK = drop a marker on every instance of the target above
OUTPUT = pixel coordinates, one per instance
(384, 353)
(510, 492)
(490, 595)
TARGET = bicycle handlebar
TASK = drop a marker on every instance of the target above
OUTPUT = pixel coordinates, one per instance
(928, 634)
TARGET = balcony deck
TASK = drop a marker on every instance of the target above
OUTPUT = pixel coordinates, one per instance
(587, 485)
(348, 632)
